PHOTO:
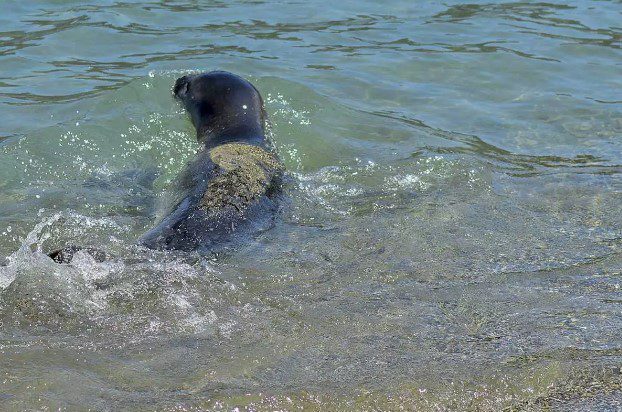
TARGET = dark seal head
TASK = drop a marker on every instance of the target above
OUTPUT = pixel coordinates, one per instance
(224, 108)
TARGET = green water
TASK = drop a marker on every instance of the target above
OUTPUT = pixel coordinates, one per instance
(453, 239)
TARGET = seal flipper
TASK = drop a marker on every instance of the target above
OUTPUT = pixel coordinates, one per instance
(66, 254)
(170, 228)
(184, 194)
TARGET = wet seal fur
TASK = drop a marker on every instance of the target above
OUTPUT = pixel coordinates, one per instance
(233, 186)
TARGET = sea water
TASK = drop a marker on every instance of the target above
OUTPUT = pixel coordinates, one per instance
(452, 239)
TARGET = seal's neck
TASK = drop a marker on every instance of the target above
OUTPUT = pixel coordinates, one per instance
(241, 133)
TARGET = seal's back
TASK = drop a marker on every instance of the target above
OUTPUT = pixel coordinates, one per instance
(230, 190)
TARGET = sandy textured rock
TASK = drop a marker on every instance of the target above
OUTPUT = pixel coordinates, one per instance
(245, 173)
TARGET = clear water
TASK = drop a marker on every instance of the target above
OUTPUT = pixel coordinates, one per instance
(453, 242)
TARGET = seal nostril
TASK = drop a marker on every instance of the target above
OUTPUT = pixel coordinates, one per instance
(181, 86)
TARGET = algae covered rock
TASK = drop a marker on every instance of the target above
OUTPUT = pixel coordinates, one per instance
(243, 174)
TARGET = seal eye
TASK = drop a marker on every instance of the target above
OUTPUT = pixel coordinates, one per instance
(181, 86)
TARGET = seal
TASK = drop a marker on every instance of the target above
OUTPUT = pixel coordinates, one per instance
(234, 185)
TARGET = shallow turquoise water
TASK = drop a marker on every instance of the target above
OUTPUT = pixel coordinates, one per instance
(453, 240)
